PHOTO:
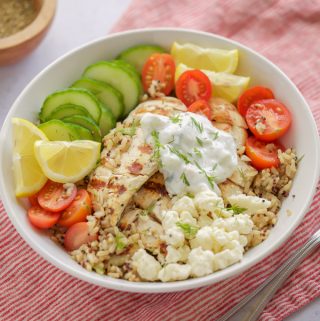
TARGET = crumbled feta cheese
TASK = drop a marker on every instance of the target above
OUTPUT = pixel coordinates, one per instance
(204, 220)
(186, 217)
(169, 219)
(147, 266)
(174, 272)
(228, 256)
(203, 239)
(201, 262)
(68, 187)
(174, 236)
(207, 201)
(252, 204)
(173, 255)
(241, 223)
(185, 203)
(260, 127)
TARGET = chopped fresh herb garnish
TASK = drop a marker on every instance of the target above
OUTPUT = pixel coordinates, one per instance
(300, 159)
(179, 154)
(214, 167)
(120, 241)
(242, 174)
(200, 142)
(235, 209)
(215, 135)
(157, 146)
(175, 119)
(210, 178)
(130, 131)
(198, 125)
(184, 179)
(190, 195)
(197, 152)
(189, 230)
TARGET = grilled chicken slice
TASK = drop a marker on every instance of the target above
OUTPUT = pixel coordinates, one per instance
(225, 112)
(244, 174)
(226, 117)
(126, 161)
(228, 188)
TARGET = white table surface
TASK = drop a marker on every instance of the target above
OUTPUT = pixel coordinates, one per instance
(76, 23)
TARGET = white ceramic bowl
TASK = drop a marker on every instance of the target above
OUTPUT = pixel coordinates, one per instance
(302, 135)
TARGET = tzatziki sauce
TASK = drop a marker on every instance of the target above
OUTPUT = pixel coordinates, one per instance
(193, 155)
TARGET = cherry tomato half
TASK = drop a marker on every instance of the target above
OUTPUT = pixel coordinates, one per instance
(263, 155)
(42, 218)
(251, 95)
(161, 67)
(33, 199)
(78, 210)
(55, 198)
(268, 119)
(77, 235)
(193, 85)
(201, 107)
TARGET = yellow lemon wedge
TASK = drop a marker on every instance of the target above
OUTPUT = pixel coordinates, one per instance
(67, 162)
(225, 85)
(218, 60)
(28, 176)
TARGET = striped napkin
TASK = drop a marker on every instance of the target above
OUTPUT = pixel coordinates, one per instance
(285, 31)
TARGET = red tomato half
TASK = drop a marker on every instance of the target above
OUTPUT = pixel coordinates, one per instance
(201, 107)
(77, 235)
(161, 67)
(193, 85)
(268, 119)
(42, 218)
(251, 95)
(54, 197)
(263, 155)
(33, 199)
(78, 210)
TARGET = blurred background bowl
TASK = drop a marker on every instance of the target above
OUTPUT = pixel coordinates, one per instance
(20, 44)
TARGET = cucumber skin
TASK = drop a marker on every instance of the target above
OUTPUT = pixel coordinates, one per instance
(85, 122)
(94, 85)
(88, 71)
(96, 118)
(60, 127)
(139, 50)
(84, 133)
(107, 121)
(58, 112)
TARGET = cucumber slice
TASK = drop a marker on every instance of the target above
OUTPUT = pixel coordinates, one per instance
(67, 111)
(118, 77)
(107, 121)
(83, 133)
(58, 130)
(109, 96)
(138, 55)
(86, 123)
(75, 96)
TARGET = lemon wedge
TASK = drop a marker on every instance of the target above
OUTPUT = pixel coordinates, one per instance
(225, 85)
(67, 162)
(28, 176)
(213, 59)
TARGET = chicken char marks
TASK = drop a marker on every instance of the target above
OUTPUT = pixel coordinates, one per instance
(126, 161)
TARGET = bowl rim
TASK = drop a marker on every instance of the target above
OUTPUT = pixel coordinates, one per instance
(157, 287)
(41, 21)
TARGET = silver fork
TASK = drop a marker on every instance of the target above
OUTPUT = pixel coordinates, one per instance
(251, 307)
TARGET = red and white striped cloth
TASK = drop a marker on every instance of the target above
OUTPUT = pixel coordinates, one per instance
(285, 31)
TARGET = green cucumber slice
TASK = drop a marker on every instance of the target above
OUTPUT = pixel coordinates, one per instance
(58, 130)
(67, 111)
(109, 96)
(118, 77)
(83, 133)
(75, 96)
(138, 55)
(107, 121)
(87, 123)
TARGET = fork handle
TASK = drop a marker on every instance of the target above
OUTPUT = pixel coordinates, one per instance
(259, 298)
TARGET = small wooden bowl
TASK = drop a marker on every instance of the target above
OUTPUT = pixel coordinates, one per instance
(20, 44)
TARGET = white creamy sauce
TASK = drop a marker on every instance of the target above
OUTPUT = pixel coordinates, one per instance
(193, 155)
